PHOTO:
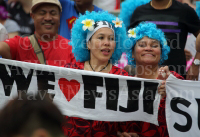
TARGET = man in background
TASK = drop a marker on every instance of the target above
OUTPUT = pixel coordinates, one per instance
(53, 48)
(71, 11)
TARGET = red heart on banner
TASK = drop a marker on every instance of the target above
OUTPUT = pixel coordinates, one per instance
(69, 88)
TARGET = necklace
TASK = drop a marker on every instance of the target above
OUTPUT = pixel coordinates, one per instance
(165, 7)
(101, 69)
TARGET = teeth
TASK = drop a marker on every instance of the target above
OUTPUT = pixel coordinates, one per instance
(47, 24)
(106, 50)
(149, 54)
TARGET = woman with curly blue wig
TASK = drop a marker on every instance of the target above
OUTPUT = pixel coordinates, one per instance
(88, 25)
(97, 43)
(147, 31)
(149, 49)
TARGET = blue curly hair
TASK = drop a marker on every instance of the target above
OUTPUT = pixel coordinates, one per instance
(78, 36)
(150, 30)
(127, 9)
(198, 8)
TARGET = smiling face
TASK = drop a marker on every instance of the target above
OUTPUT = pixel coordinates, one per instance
(102, 45)
(147, 51)
(46, 19)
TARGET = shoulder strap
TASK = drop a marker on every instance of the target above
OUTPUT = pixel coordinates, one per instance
(37, 49)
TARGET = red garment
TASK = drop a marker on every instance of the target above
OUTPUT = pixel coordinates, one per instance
(57, 52)
(144, 129)
(117, 5)
(75, 127)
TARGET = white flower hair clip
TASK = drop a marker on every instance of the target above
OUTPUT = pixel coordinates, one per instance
(118, 23)
(132, 33)
(88, 24)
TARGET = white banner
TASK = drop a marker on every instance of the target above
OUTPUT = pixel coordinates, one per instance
(182, 107)
(85, 94)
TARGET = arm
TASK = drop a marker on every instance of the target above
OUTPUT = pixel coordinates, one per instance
(197, 41)
(188, 54)
(5, 50)
(194, 22)
(193, 72)
(12, 34)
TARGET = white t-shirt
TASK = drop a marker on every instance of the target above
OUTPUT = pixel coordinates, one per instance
(11, 26)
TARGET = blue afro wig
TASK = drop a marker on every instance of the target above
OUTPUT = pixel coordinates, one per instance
(127, 9)
(78, 36)
(150, 30)
(198, 8)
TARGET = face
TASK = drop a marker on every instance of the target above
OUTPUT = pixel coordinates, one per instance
(83, 2)
(46, 19)
(147, 52)
(102, 44)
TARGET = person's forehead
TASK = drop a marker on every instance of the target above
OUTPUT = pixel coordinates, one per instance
(105, 30)
(145, 39)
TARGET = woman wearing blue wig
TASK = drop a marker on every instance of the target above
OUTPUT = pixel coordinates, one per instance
(149, 49)
(97, 43)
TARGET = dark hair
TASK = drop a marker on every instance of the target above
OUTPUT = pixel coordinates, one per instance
(24, 115)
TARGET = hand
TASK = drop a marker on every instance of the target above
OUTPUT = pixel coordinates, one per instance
(125, 134)
(162, 89)
(193, 72)
(163, 73)
(188, 54)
